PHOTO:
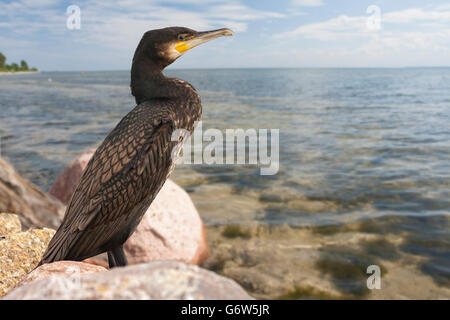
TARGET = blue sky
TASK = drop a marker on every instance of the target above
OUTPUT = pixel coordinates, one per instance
(291, 33)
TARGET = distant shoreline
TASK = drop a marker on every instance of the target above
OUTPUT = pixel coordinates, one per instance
(16, 72)
(254, 68)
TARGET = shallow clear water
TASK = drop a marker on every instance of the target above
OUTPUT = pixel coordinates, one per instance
(355, 144)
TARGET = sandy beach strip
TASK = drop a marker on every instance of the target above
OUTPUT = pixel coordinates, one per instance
(17, 72)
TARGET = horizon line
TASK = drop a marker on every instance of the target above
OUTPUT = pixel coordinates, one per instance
(255, 68)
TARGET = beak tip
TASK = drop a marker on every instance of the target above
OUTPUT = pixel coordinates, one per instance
(228, 32)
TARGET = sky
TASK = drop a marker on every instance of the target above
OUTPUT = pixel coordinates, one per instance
(268, 33)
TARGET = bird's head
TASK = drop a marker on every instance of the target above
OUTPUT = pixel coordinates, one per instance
(164, 46)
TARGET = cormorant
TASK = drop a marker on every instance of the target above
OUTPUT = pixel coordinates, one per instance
(131, 165)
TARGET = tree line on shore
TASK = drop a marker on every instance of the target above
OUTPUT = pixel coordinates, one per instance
(14, 67)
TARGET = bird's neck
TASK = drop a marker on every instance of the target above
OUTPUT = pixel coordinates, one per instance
(148, 82)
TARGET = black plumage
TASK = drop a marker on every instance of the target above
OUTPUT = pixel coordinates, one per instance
(131, 165)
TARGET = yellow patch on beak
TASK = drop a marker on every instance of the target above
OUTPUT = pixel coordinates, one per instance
(182, 46)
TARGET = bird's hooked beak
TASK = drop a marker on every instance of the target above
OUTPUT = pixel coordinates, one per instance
(201, 37)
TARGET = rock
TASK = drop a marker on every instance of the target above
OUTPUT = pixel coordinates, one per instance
(9, 223)
(67, 268)
(20, 252)
(153, 280)
(270, 261)
(97, 262)
(67, 181)
(34, 207)
(323, 262)
(170, 230)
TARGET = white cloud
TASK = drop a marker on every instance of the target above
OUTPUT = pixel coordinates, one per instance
(123, 27)
(342, 27)
(25, 7)
(345, 27)
(407, 37)
(119, 24)
(240, 12)
(16, 43)
(413, 36)
(307, 3)
(416, 14)
(443, 7)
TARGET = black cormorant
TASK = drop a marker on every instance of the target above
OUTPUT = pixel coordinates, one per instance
(131, 165)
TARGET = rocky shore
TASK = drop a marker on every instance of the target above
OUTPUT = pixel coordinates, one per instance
(173, 256)
(163, 252)
(283, 262)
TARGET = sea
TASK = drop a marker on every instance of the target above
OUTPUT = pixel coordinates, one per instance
(355, 145)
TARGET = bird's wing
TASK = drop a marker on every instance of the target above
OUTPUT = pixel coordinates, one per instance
(131, 163)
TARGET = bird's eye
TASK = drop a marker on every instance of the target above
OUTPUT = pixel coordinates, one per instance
(181, 37)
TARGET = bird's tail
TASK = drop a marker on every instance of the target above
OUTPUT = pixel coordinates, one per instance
(57, 249)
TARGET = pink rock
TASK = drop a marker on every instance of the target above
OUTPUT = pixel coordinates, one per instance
(34, 208)
(157, 280)
(66, 182)
(170, 230)
(97, 262)
(69, 268)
